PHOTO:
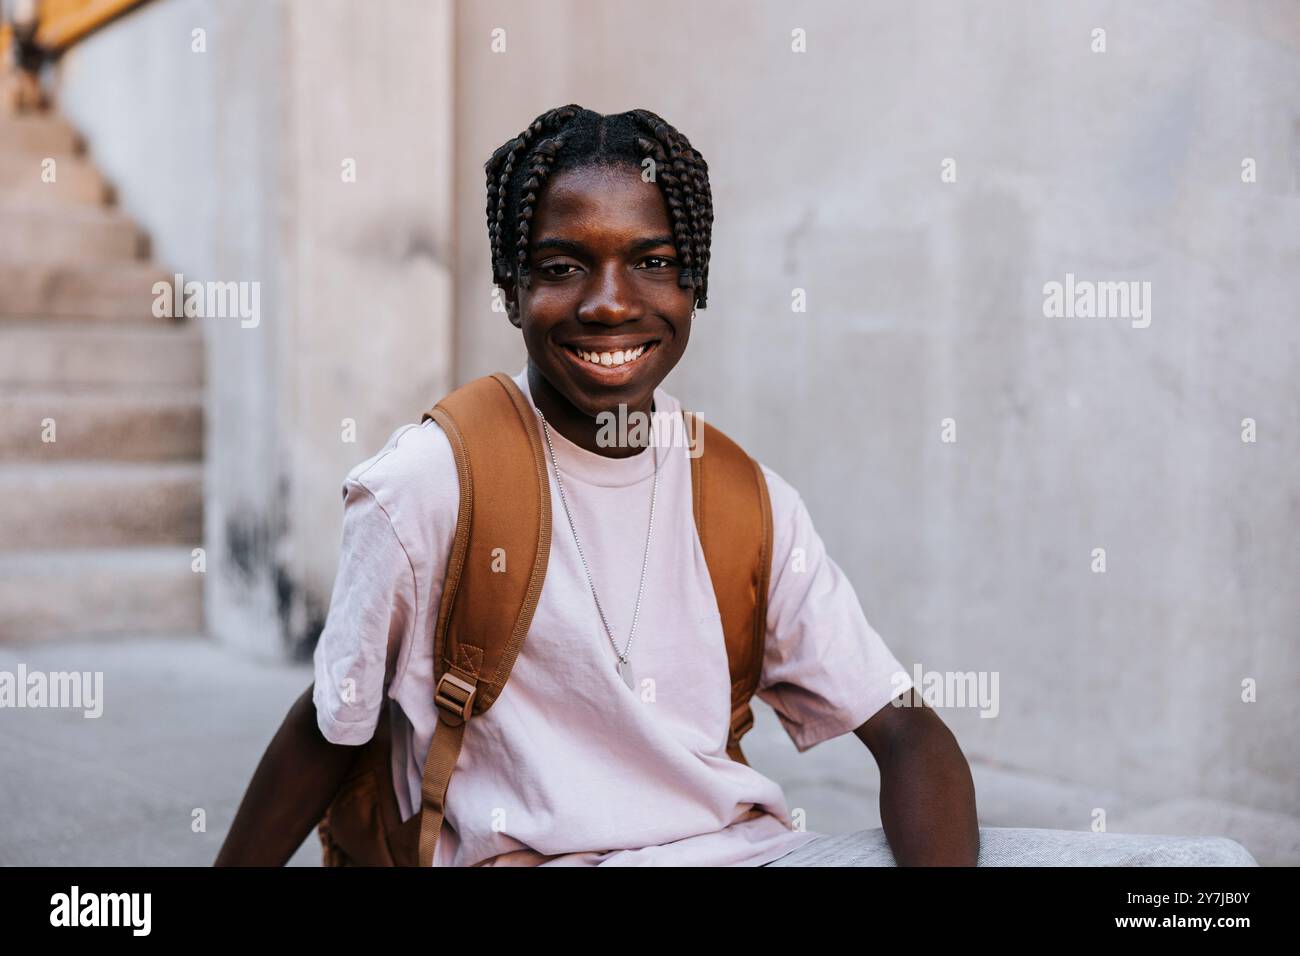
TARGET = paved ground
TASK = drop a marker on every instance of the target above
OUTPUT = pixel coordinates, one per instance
(185, 722)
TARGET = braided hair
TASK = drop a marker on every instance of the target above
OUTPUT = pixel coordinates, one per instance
(569, 137)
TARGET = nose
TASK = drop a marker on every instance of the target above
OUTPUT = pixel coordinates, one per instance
(611, 299)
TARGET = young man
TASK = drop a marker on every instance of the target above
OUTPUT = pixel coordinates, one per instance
(607, 744)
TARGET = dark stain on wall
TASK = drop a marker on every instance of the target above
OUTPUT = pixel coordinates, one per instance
(251, 545)
(301, 615)
(248, 546)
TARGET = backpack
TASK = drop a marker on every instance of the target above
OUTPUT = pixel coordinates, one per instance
(484, 614)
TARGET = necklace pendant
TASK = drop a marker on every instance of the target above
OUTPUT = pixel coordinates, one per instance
(625, 672)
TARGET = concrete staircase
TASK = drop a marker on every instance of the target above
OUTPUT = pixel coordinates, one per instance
(97, 526)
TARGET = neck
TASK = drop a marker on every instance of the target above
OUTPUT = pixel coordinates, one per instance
(572, 423)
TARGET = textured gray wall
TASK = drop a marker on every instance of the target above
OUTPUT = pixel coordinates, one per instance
(925, 301)
(232, 159)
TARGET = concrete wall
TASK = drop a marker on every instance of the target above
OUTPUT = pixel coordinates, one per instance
(372, 258)
(232, 158)
(925, 302)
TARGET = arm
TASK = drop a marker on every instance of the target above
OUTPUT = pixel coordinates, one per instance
(927, 797)
(290, 790)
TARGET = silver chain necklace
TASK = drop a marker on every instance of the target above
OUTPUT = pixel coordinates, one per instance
(624, 670)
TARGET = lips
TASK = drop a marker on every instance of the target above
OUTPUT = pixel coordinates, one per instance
(610, 357)
(607, 360)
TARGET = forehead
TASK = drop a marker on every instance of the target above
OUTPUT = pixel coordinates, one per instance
(599, 199)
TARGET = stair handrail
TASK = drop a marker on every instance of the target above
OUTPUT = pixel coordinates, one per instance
(59, 23)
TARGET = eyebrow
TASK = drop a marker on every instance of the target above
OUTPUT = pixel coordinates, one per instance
(577, 248)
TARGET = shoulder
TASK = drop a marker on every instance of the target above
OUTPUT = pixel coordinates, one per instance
(786, 500)
(411, 450)
(792, 526)
(413, 479)
(781, 494)
(790, 519)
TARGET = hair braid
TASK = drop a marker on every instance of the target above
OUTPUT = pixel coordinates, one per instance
(703, 220)
(539, 165)
(499, 169)
(686, 189)
(668, 170)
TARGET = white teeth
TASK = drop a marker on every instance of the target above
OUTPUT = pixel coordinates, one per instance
(610, 359)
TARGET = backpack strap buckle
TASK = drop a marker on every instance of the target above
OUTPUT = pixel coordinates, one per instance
(455, 697)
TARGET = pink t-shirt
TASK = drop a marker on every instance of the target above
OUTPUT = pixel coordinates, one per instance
(569, 766)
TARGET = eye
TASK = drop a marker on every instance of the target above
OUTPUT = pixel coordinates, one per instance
(668, 262)
(557, 265)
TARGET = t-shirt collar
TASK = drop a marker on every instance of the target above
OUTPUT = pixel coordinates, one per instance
(595, 469)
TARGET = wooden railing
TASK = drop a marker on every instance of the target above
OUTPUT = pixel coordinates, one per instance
(61, 23)
(33, 31)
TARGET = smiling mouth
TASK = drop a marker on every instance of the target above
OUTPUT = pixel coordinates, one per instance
(613, 358)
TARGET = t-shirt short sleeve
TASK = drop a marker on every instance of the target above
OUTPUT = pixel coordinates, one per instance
(372, 609)
(825, 669)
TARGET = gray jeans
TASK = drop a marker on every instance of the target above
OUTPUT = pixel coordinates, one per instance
(1028, 846)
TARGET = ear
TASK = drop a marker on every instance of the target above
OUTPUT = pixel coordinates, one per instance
(512, 305)
(512, 308)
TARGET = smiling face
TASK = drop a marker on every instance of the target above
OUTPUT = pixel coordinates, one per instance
(604, 320)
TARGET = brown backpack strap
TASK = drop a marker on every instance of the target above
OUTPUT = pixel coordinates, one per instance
(505, 516)
(733, 516)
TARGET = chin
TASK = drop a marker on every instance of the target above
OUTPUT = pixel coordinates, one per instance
(593, 405)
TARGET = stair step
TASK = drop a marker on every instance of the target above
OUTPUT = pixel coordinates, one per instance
(96, 504)
(75, 179)
(80, 353)
(43, 134)
(118, 425)
(39, 232)
(96, 527)
(92, 593)
(81, 291)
